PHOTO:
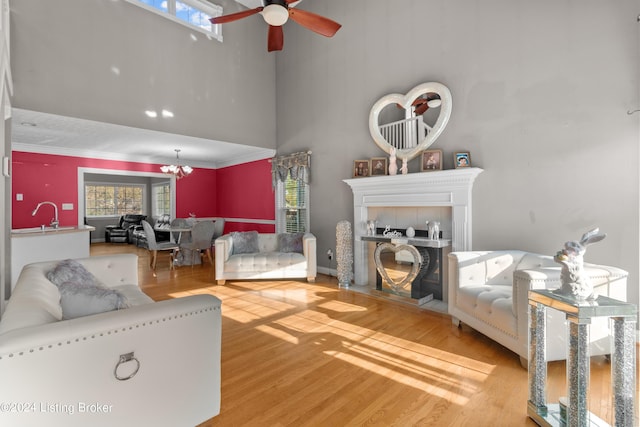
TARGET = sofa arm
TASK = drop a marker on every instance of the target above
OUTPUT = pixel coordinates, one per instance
(73, 363)
(223, 249)
(309, 251)
(606, 280)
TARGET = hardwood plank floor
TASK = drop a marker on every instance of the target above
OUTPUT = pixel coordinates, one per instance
(300, 354)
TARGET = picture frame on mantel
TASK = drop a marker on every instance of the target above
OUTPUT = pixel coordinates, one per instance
(379, 166)
(361, 168)
(462, 159)
(431, 160)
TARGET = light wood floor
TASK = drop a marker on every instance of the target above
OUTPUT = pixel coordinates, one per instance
(299, 354)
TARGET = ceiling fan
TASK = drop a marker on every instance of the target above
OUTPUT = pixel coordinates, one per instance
(276, 13)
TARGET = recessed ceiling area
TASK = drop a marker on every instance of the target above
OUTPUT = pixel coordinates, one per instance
(34, 131)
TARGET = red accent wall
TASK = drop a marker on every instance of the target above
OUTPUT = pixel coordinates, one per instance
(196, 194)
(242, 191)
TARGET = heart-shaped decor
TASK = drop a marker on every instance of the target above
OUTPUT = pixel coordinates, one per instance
(410, 137)
(395, 285)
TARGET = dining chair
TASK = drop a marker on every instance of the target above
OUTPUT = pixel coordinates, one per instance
(178, 224)
(155, 246)
(201, 235)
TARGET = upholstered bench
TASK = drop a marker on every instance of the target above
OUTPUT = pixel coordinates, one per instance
(253, 255)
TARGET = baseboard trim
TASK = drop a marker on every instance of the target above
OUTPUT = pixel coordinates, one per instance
(328, 271)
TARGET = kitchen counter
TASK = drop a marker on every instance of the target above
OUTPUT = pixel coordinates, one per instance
(36, 244)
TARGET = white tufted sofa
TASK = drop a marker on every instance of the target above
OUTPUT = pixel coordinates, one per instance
(268, 263)
(488, 290)
(63, 372)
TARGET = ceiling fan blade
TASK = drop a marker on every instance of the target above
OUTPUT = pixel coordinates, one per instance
(418, 101)
(315, 23)
(420, 109)
(275, 40)
(235, 16)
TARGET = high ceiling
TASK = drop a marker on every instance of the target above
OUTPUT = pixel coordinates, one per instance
(52, 134)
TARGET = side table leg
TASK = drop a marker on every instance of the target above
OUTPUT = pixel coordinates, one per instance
(578, 367)
(623, 370)
(537, 359)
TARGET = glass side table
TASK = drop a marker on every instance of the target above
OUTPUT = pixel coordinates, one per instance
(623, 359)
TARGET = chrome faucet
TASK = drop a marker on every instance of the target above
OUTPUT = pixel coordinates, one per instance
(54, 222)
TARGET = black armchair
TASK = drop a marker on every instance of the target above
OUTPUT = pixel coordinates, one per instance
(123, 231)
(162, 230)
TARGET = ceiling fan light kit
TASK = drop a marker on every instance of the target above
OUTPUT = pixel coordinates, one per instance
(276, 13)
(434, 103)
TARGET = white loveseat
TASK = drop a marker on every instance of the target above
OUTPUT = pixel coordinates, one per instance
(488, 291)
(57, 372)
(266, 261)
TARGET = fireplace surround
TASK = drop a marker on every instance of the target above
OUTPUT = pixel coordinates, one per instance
(423, 192)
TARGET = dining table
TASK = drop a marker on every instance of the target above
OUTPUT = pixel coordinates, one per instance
(183, 229)
(180, 230)
(183, 256)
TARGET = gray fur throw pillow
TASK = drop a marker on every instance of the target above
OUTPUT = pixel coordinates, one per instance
(81, 293)
(290, 242)
(245, 242)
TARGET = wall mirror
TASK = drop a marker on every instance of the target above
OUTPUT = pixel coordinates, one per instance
(410, 123)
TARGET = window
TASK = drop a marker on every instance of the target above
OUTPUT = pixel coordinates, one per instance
(292, 206)
(113, 199)
(193, 13)
(160, 199)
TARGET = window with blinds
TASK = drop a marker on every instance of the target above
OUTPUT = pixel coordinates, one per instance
(113, 199)
(292, 207)
(161, 199)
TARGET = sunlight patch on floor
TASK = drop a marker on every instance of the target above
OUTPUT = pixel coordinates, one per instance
(419, 365)
(422, 382)
(297, 295)
(276, 312)
(278, 333)
(341, 307)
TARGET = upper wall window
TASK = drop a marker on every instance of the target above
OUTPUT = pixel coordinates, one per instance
(193, 13)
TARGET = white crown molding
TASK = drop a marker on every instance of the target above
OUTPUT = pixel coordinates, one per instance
(74, 152)
(260, 154)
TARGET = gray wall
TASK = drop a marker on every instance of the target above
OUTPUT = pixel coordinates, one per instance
(540, 95)
(540, 92)
(110, 61)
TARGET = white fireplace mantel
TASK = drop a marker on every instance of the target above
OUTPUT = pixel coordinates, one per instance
(447, 188)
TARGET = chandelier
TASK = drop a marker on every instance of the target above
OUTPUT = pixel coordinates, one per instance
(178, 170)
